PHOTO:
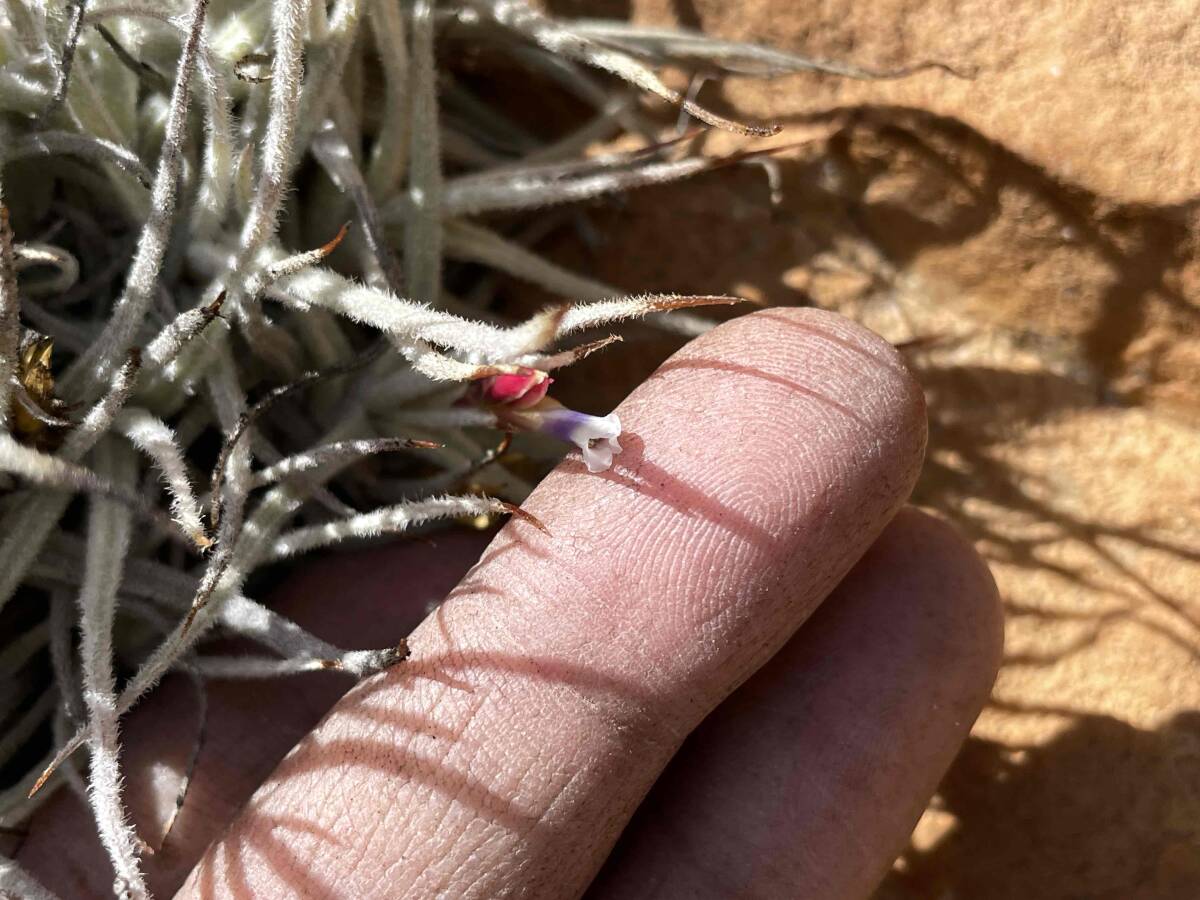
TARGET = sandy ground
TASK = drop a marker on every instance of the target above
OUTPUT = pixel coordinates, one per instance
(1029, 235)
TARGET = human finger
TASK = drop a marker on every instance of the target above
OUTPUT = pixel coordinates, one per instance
(546, 695)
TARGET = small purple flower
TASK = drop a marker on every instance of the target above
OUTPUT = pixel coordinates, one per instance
(596, 436)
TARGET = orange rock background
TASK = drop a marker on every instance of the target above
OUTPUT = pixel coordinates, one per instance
(1029, 235)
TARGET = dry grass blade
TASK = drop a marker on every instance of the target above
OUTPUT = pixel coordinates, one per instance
(129, 311)
(560, 39)
(108, 540)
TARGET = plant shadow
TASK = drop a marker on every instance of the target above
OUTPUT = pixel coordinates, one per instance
(1102, 810)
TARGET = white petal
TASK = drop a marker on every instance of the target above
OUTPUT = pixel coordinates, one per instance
(598, 458)
(608, 427)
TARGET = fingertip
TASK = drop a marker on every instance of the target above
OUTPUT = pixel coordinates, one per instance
(777, 320)
(808, 356)
(953, 587)
(785, 335)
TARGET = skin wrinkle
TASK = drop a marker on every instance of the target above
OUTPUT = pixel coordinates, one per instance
(527, 661)
(365, 836)
(507, 784)
(755, 539)
(432, 790)
(849, 339)
(547, 817)
(791, 384)
(287, 861)
(477, 825)
(640, 718)
(458, 657)
(562, 711)
(363, 844)
(421, 726)
(640, 721)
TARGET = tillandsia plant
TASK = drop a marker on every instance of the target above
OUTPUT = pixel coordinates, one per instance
(203, 370)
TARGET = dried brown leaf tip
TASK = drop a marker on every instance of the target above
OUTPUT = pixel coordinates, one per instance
(711, 118)
(332, 244)
(37, 414)
(516, 512)
(400, 652)
(585, 350)
(214, 309)
(669, 302)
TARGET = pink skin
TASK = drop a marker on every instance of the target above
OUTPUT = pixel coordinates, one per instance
(557, 684)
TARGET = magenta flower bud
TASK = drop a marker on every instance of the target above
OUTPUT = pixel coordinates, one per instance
(519, 390)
